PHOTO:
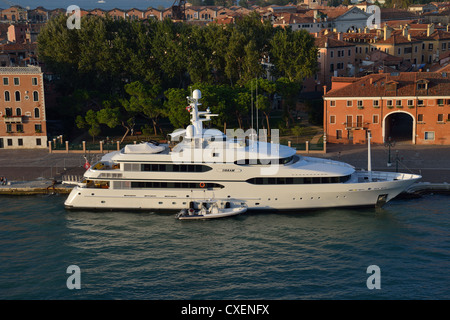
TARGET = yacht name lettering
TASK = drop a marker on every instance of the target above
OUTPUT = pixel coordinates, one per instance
(228, 170)
(193, 310)
(242, 309)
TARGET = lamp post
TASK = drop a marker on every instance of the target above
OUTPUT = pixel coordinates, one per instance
(389, 143)
(396, 160)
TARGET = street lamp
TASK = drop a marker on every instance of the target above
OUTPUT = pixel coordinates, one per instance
(396, 160)
(389, 143)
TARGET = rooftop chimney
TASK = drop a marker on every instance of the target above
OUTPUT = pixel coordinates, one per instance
(405, 31)
(387, 32)
(430, 29)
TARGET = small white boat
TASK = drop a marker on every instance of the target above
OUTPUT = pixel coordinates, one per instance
(209, 210)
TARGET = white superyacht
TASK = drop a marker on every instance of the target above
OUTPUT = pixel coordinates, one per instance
(233, 170)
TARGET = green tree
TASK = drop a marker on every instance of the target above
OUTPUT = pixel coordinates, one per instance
(220, 99)
(89, 121)
(289, 91)
(144, 101)
(112, 116)
(169, 50)
(298, 131)
(175, 107)
(243, 102)
(294, 54)
(198, 56)
(264, 90)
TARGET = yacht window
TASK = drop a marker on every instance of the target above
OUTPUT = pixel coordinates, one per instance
(305, 180)
(174, 167)
(171, 185)
(131, 167)
(266, 161)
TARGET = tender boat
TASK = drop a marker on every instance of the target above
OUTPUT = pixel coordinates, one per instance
(199, 163)
(210, 210)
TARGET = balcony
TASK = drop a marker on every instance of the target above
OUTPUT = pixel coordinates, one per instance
(13, 119)
(355, 125)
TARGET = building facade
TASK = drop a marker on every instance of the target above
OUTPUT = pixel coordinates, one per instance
(412, 107)
(22, 108)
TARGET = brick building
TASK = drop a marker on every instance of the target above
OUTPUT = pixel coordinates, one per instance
(22, 108)
(411, 106)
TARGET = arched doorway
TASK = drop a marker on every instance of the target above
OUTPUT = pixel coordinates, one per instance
(399, 126)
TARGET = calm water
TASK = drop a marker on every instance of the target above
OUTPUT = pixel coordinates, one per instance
(309, 255)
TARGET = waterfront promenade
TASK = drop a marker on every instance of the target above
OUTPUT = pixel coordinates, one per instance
(38, 168)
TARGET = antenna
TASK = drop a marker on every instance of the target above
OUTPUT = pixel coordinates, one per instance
(257, 111)
(369, 160)
(251, 94)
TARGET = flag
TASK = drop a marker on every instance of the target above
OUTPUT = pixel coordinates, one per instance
(188, 108)
(87, 165)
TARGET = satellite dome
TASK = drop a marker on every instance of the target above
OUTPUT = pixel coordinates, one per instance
(197, 94)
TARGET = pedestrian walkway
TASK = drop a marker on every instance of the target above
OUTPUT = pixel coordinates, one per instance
(432, 162)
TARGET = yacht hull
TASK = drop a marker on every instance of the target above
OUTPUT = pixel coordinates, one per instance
(255, 197)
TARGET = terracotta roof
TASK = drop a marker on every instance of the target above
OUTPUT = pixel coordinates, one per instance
(359, 36)
(374, 85)
(436, 35)
(291, 18)
(396, 14)
(331, 13)
(18, 46)
(445, 68)
(395, 39)
(443, 12)
(330, 42)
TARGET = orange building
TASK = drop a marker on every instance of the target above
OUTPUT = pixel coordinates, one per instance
(22, 108)
(409, 106)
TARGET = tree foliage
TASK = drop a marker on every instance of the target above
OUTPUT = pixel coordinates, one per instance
(114, 72)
